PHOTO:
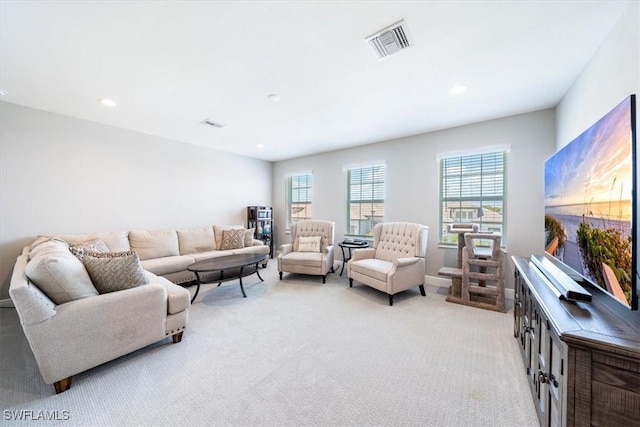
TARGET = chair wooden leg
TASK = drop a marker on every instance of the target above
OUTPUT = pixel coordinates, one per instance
(324, 279)
(280, 273)
(177, 337)
(350, 282)
(422, 292)
(391, 300)
(62, 385)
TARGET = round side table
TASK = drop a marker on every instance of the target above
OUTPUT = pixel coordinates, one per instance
(349, 246)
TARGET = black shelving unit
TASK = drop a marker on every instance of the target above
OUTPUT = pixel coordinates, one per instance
(261, 219)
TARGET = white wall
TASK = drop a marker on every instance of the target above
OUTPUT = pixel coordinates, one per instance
(412, 180)
(612, 74)
(64, 175)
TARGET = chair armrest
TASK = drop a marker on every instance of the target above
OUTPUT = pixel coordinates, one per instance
(401, 262)
(285, 249)
(364, 253)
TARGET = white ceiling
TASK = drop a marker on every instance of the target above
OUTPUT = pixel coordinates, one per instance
(170, 65)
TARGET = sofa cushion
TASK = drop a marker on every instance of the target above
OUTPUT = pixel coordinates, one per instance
(264, 249)
(219, 229)
(232, 239)
(114, 271)
(194, 240)
(58, 273)
(154, 244)
(211, 254)
(309, 244)
(116, 241)
(169, 264)
(302, 259)
(376, 268)
(95, 245)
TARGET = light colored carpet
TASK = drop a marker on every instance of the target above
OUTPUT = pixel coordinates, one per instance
(295, 352)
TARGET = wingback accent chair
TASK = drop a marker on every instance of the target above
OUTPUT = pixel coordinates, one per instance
(396, 262)
(310, 251)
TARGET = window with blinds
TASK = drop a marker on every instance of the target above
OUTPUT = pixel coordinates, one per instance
(298, 197)
(472, 190)
(364, 199)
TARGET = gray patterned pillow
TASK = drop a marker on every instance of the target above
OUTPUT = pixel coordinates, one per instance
(95, 245)
(232, 239)
(114, 271)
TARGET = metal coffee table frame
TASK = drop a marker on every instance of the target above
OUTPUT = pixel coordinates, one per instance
(226, 268)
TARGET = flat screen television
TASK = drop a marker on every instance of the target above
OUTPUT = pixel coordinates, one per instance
(591, 205)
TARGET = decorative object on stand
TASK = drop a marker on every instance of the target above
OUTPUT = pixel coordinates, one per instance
(260, 218)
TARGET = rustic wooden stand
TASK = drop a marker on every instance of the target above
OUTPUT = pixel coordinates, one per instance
(582, 360)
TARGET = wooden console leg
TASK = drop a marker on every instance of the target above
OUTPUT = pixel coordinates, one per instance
(177, 337)
(62, 385)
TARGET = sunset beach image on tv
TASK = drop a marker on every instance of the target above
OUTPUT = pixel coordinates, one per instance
(588, 203)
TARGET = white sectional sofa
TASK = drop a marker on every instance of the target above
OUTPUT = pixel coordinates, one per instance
(168, 252)
(74, 323)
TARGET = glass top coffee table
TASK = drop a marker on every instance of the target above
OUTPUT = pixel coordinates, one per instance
(225, 268)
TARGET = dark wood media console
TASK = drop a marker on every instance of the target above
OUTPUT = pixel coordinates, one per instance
(582, 359)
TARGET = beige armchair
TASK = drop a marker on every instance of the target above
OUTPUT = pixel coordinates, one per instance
(310, 250)
(396, 262)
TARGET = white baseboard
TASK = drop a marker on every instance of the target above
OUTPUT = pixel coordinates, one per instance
(6, 303)
(445, 283)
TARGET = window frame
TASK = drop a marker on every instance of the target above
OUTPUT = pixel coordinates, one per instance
(377, 192)
(289, 193)
(483, 198)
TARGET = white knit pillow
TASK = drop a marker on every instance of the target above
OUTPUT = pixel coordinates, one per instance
(309, 244)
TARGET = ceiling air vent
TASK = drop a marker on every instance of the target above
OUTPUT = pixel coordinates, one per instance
(390, 40)
(212, 123)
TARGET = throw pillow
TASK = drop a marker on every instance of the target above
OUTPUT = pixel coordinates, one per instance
(95, 245)
(309, 244)
(219, 229)
(114, 271)
(59, 274)
(232, 239)
(248, 237)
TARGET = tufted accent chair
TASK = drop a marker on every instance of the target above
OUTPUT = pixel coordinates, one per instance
(292, 260)
(396, 262)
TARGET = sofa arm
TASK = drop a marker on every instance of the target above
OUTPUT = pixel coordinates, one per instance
(364, 253)
(285, 249)
(257, 242)
(401, 262)
(88, 332)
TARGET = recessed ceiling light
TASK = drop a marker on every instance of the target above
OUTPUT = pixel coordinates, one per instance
(273, 97)
(3, 92)
(107, 102)
(458, 89)
(260, 145)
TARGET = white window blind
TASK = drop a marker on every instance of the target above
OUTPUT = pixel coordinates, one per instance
(365, 190)
(299, 190)
(472, 190)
